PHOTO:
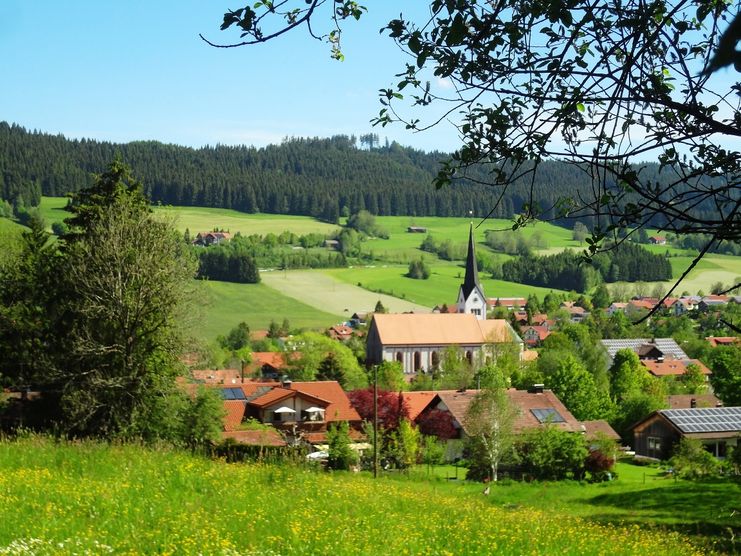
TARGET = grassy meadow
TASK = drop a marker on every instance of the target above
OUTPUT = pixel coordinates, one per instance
(89, 498)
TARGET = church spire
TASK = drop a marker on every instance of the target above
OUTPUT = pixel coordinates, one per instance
(471, 280)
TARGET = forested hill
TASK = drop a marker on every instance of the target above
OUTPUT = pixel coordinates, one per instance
(316, 177)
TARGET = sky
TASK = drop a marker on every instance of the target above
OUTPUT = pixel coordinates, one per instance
(137, 70)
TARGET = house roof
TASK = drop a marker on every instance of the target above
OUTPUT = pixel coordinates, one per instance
(417, 402)
(542, 331)
(673, 367)
(716, 341)
(457, 403)
(234, 414)
(267, 437)
(684, 401)
(441, 329)
(704, 419)
(279, 393)
(320, 437)
(339, 408)
(272, 358)
(528, 355)
(594, 429)
(667, 345)
(217, 376)
(506, 301)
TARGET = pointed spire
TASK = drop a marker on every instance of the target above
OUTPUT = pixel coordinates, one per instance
(471, 280)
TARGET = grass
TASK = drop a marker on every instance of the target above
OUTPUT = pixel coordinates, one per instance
(441, 287)
(88, 498)
(321, 289)
(225, 304)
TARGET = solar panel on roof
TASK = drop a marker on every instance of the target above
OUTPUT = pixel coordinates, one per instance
(547, 415)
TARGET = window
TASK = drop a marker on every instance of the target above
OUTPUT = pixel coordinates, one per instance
(417, 361)
(399, 357)
(547, 415)
(476, 311)
(435, 358)
(654, 447)
(469, 357)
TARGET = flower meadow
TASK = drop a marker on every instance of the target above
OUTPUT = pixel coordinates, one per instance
(94, 498)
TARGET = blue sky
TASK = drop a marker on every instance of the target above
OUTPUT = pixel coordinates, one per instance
(136, 70)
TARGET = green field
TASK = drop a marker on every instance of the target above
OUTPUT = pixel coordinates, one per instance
(89, 498)
(225, 304)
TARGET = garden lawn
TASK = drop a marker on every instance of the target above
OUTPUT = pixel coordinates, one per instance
(226, 304)
(87, 498)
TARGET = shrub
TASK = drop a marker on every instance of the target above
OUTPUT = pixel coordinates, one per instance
(692, 461)
(549, 453)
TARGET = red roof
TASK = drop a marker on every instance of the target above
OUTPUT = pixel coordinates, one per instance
(217, 376)
(417, 402)
(339, 408)
(321, 436)
(273, 358)
(684, 401)
(716, 341)
(672, 367)
(267, 437)
(594, 429)
(234, 414)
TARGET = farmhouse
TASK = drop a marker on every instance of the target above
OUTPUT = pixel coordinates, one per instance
(206, 239)
(416, 230)
(717, 427)
(535, 408)
(296, 410)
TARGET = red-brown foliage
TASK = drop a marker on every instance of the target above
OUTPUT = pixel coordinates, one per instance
(392, 407)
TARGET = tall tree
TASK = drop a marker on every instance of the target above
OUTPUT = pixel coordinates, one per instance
(125, 281)
(489, 424)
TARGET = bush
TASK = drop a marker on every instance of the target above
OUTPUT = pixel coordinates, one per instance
(692, 461)
(549, 453)
(418, 270)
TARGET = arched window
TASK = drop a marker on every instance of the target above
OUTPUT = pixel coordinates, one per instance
(435, 360)
(469, 357)
(400, 357)
(417, 361)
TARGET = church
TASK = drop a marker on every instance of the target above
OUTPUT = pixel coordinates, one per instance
(418, 340)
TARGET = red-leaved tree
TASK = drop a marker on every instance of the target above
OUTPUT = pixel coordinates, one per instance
(392, 407)
(436, 422)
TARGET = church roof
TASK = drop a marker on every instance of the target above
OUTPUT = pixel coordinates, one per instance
(471, 280)
(441, 329)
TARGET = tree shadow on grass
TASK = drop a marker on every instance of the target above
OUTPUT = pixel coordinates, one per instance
(709, 510)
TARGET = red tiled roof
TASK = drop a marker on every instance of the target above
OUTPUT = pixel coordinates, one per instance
(234, 414)
(716, 341)
(339, 408)
(256, 388)
(672, 367)
(321, 437)
(265, 437)
(273, 358)
(417, 402)
(217, 376)
(594, 429)
(542, 331)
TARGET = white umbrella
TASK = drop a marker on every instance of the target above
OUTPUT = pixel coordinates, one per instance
(314, 409)
(284, 409)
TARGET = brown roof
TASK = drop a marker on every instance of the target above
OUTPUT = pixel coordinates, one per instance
(542, 331)
(457, 403)
(440, 329)
(672, 367)
(528, 355)
(273, 358)
(506, 301)
(267, 437)
(321, 436)
(339, 408)
(594, 429)
(684, 401)
(279, 393)
(234, 414)
(417, 402)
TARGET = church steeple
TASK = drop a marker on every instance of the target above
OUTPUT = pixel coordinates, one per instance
(471, 295)
(471, 280)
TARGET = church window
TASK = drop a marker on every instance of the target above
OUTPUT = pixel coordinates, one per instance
(469, 357)
(435, 358)
(417, 361)
(399, 357)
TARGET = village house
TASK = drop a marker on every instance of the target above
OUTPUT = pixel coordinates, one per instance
(535, 408)
(297, 411)
(687, 401)
(206, 239)
(657, 240)
(716, 341)
(340, 332)
(718, 428)
(533, 336)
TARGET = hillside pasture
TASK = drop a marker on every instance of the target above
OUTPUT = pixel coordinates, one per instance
(223, 305)
(320, 289)
(94, 498)
(441, 287)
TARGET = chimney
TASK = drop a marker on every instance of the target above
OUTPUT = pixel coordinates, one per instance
(693, 403)
(537, 389)
(287, 382)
